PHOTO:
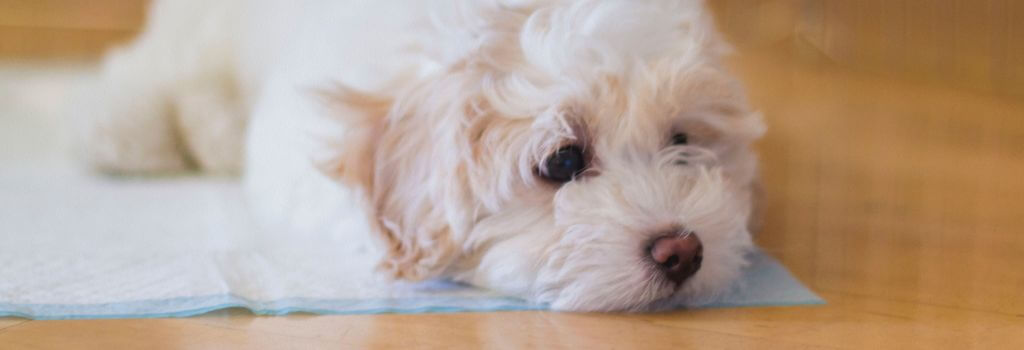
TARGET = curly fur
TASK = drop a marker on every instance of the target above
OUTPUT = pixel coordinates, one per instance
(424, 123)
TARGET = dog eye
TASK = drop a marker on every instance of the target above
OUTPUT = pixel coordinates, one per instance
(564, 164)
(680, 139)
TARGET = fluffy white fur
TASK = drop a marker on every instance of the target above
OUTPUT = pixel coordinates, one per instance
(421, 124)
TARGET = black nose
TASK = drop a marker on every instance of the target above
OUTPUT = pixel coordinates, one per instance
(678, 256)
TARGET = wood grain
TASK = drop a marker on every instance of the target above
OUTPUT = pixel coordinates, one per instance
(91, 14)
(886, 188)
(62, 29)
(972, 44)
(964, 43)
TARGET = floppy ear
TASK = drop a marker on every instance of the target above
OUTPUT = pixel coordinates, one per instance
(390, 161)
(410, 157)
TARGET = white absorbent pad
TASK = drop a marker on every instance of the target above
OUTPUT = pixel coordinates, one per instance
(78, 245)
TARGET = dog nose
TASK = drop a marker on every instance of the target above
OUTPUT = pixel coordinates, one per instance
(679, 257)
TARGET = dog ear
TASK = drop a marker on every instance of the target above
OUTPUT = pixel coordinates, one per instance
(388, 160)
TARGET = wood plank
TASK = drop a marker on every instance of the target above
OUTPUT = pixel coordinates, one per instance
(116, 15)
(893, 189)
(58, 43)
(849, 322)
(10, 322)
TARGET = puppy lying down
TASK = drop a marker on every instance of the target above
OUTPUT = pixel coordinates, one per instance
(590, 154)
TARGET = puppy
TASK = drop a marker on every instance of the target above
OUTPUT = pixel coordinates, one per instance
(593, 155)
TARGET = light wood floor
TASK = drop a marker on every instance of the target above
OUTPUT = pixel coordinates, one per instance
(900, 203)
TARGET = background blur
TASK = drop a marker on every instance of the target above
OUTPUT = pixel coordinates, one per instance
(893, 168)
(66, 29)
(971, 44)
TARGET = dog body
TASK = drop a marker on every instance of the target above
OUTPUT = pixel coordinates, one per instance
(590, 154)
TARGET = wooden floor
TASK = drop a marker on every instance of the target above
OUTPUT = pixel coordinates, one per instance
(900, 203)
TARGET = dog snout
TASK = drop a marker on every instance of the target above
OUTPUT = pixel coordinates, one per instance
(677, 256)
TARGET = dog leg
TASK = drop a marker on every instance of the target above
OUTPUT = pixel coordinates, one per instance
(168, 102)
(126, 120)
(212, 124)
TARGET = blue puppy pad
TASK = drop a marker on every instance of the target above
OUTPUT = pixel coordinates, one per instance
(74, 246)
(765, 283)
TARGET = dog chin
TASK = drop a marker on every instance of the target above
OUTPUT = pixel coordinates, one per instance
(581, 277)
(660, 298)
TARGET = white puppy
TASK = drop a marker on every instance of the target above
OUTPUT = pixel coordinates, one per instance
(590, 154)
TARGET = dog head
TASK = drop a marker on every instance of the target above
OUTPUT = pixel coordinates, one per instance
(589, 154)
